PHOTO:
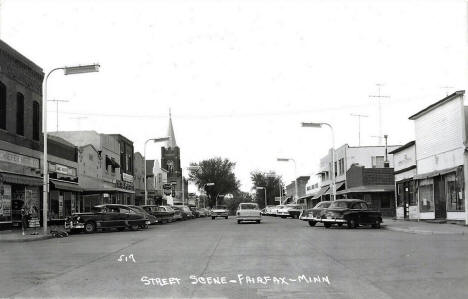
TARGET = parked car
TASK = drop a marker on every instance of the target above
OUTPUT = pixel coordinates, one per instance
(269, 210)
(248, 212)
(140, 209)
(195, 212)
(353, 212)
(274, 210)
(290, 210)
(315, 214)
(162, 214)
(106, 216)
(204, 212)
(177, 213)
(220, 211)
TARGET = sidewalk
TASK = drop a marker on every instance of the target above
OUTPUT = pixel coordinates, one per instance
(15, 235)
(424, 228)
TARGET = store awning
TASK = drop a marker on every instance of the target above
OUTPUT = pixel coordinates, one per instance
(114, 163)
(21, 179)
(321, 192)
(61, 185)
(338, 187)
(368, 189)
(435, 173)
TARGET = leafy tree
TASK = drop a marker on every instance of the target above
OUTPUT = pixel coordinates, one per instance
(273, 185)
(233, 202)
(217, 171)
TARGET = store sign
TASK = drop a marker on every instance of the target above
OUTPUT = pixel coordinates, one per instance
(18, 159)
(127, 177)
(167, 189)
(61, 169)
(5, 204)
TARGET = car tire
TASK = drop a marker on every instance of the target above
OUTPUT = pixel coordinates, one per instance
(226, 217)
(258, 221)
(312, 223)
(327, 225)
(134, 227)
(352, 223)
(340, 224)
(213, 217)
(295, 216)
(376, 224)
(238, 222)
(90, 227)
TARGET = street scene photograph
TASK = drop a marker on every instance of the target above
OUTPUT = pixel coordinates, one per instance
(233, 149)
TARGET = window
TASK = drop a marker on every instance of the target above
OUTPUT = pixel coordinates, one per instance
(3, 99)
(341, 166)
(20, 114)
(36, 120)
(377, 161)
(426, 198)
(455, 198)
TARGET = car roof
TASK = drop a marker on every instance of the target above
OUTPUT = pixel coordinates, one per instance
(349, 200)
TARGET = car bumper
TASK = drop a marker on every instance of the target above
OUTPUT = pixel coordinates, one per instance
(247, 218)
(74, 225)
(332, 220)
(219, 215)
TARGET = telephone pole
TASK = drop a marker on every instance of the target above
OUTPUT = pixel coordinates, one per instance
(379, 97)
(57, 102)
(359, 124)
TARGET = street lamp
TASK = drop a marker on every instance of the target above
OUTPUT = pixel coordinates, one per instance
(319, 125)
(67, 70)
(295, 175)
(144, 153)
(264, 188)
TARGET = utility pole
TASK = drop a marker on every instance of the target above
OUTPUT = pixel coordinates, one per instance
(57, 102)
(379, 97)
(359, 124)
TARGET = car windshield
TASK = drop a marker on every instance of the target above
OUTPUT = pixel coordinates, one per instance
(279, 207)
(322, 205)
(294, 206)
(339, 204)
(248, 206)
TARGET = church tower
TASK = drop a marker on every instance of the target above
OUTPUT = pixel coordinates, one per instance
(170, 161)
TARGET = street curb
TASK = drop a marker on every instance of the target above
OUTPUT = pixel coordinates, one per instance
(26, 240)
(421, 232)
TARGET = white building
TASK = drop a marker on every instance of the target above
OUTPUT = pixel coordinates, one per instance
(440, 131)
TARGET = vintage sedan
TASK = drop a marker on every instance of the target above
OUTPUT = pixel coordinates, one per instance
(106, 216)
(290, 210)
(353, 212)
(140, 209)
(248, 212)
(315, 214)
(219, 211)
(162, 213)
(195, 212)
(275, 209)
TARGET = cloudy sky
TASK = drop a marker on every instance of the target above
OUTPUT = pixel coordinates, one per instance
(240, 76)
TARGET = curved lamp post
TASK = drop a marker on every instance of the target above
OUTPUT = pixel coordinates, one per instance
(67, 70)
(295, 175)
(319, 125)
(144, 153)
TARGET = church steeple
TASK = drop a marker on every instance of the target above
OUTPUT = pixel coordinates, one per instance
(171, 143)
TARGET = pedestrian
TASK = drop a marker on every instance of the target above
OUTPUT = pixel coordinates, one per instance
(24, 219)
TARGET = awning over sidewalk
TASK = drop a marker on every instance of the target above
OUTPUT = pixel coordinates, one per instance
(321, 192)
(435, 173)
(368, 189)
(21, 179)
(61, 185)
(338, 187)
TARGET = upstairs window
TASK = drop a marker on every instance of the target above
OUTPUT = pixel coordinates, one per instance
(20, 114)
(36, 120)
(377, 161)
(3, 113)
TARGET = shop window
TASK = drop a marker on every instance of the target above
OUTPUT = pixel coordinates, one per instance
(400, 194)
(412, 194)
(426, 198)
(455, 198)
(385, 201)
(36, 120)
(20, 114)
(3, 104)
(5, 204)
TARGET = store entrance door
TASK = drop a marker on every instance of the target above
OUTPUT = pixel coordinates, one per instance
(440, 202)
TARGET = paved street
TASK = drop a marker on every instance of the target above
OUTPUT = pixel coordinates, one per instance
(245, 261)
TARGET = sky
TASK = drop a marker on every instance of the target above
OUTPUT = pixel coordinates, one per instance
(240, 76)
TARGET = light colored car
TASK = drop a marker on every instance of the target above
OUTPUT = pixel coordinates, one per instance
(274, 210)
(248, 212)
(219, 211)
(290, 210)
(269, 210)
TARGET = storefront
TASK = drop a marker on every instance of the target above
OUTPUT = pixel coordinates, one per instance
(63, 200)
(18, 192)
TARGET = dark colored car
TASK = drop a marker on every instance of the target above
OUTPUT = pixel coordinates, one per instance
(315, 214)
(163, 214)
(353, 212)
(150, 217)
(106, 217)
(181, 211)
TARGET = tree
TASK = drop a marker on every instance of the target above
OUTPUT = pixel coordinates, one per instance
(273, 184)
(237, 198)
(217, 171)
